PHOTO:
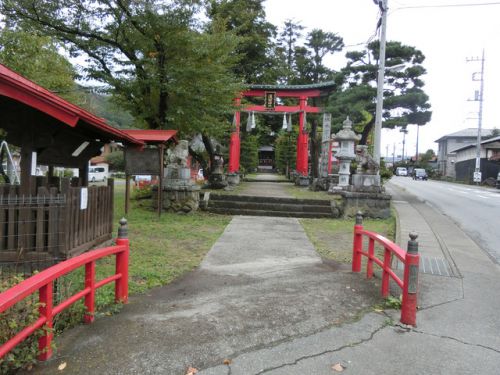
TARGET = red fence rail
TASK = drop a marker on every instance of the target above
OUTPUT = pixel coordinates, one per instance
(43, 284)
(410, 260)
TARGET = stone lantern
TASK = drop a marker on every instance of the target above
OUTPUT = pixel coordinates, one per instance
(346, 137)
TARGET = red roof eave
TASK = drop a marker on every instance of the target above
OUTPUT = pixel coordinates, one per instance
(23, 90)
(152, 136)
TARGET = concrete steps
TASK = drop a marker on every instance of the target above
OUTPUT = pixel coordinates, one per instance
(269, 206)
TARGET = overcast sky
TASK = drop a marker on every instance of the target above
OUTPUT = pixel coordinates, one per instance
(446, 35)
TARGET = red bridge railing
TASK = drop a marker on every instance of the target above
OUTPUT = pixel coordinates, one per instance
(410, 260)
(43, 284)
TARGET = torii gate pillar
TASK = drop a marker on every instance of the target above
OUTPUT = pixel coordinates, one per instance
(234, 142)
(302, 140)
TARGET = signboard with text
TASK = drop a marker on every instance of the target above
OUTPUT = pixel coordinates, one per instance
(142, 162)
(270, 100)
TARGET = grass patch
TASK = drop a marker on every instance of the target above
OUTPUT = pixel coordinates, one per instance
(164, 248)
(333, 238)
(303, 192)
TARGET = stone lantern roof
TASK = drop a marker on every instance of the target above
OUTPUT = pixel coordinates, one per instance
(346, 133)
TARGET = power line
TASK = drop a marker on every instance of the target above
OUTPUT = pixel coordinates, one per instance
(448, 5)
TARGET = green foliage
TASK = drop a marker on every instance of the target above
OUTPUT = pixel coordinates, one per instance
(104, 106)
(246, 19)
(284, 151)
(385, 173)
(153, 55)
(249, 154)
(405, 101)
(12, 321)
(393, 302)
(116, 160)
(37, 58)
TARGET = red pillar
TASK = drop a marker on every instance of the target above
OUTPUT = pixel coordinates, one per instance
(302, 140)
(234, 142)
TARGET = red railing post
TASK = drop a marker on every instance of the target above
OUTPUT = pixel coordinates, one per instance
(90, 297)
(410, 286)
(46, 303)
(385, 272)
(122, 258)
(357, 243)
(371, 253)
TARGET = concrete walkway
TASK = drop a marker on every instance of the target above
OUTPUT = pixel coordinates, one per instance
(265, 302)
(265, 187)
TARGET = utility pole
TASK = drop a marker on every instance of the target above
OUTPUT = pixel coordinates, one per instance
(383, 5)
(404, 131)
(478, 97)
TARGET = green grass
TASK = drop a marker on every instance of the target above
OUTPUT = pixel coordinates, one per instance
(303, 192)
(333, 238)
(161, 250)
(165, 248)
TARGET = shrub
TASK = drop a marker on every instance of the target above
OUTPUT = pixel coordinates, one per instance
(12, 321)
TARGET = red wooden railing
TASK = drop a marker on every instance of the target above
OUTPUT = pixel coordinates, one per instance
(43, 284)
(410, 260)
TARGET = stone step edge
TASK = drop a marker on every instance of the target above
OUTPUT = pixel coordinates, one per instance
(260, 206)
(251, 198)
(311, 215)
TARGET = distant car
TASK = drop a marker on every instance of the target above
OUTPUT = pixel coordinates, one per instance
(401, 171)
(419, 174)
(97, 174)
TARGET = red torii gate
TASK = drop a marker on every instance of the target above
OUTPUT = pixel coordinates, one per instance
(270, 93)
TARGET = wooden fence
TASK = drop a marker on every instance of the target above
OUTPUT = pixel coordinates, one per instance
(54, 223)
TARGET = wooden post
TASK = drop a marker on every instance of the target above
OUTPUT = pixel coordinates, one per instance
(83, 173)
(160, 182)
(127, 193)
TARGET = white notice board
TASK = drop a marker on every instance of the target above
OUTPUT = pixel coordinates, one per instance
(84, 198)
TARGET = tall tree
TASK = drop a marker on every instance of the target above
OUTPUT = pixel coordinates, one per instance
(320, 44)
(247, 19)
(152, 54)
(288, 38)
(405, 101)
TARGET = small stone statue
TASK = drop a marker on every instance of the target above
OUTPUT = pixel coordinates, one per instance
(366, 164)
(179, 155)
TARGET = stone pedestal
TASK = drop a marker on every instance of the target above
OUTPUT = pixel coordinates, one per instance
(180, 199)
(233, 179)
(180, 194)
(374, 205)
(217, 181)
(302, 181)
(366, 183)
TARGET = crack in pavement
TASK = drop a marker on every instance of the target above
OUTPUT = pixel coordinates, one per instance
(372, 335)
(455, 339)
(461, 298)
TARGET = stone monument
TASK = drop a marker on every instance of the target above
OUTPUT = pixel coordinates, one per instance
(346, 137)
(180, 193)
(217, 179)
(366, 193)
(367, 177)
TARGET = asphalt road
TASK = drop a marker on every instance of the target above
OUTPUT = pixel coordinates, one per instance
(475, 209)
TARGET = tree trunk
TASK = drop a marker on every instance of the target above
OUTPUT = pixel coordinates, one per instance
(211, 153)
(200, 159)
(366, 133)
